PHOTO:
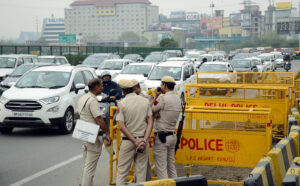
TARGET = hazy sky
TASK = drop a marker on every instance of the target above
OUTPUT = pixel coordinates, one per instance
(21, 15)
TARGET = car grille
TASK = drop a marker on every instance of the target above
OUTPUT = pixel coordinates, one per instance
(27, 106)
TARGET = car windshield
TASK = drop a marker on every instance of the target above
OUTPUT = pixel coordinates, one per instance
(172, 54)
(265, 58)
(213, 68)
(41, 79)
(257, 62)
(95, 60)
(241, 56)
(137, 69)
(131, 57)
(19, 71)
(160, 71)
(192, 56)
(7, 62)
(279, 56)
(108, 65)
(241, 63)
(154, 58)
(209, 58)
(46, 60)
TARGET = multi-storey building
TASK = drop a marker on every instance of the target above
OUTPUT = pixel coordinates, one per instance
(106, 20)
(52, 28)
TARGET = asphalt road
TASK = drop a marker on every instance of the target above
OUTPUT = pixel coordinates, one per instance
(43, 157)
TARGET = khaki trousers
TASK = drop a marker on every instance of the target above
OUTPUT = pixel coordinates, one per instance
(91, 154)
(164, 157)
(128, 155)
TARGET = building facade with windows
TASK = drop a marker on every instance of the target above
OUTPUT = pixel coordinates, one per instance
(106, 20)
(52, 28)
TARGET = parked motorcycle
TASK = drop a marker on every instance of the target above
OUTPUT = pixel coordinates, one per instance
(105, 103)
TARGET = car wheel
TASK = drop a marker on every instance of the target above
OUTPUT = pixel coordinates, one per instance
(6, 130)
(67, 124)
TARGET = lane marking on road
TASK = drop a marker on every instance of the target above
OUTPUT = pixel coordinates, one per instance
(46, 171)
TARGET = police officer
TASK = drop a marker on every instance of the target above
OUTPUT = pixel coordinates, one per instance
(134, 116)
(89, 111)
(137, 90)
(168, 105)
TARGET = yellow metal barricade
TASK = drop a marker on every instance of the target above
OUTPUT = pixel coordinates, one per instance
(254, 79)
(115, 135)
(244, 96)
(215, 136)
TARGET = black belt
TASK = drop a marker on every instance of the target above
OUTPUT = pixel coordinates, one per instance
(166, 133)
(100, 133)
(125, 138)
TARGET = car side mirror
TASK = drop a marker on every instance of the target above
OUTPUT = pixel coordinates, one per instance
(79, 86)
(11, 84)
(80, 62)
(145, 75)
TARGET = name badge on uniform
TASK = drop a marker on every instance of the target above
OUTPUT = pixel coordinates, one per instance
(86, 131)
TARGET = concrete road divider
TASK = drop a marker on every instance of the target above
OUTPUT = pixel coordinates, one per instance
(282, 155)
(292, 121)
(182, 181)
(263, 174)
(292, 177)
(296, 113)
(295, 135)
(288, 148)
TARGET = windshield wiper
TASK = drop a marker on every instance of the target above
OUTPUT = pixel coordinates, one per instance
(14, 75)
(56, 87)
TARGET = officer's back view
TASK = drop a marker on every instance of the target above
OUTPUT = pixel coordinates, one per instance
(134, 116)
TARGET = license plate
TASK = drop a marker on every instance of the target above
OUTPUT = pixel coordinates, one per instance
(22, 114)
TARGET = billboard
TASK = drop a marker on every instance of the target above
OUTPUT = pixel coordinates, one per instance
(192, 16)
(235, 19)
(211, 23)
(240, 19)
(178, 15)
(245, 19)
(283, 5)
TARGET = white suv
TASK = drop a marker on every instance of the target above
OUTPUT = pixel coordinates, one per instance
(183, 72)
(45, 97)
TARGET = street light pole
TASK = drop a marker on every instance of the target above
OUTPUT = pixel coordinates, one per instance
(212, 5)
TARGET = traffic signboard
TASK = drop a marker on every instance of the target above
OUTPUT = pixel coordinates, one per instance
(67, 38)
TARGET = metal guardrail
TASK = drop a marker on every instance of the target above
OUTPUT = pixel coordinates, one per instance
(79, 50)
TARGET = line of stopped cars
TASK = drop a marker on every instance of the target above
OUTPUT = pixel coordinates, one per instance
(43, 91)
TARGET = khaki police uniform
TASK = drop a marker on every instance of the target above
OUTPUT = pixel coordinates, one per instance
(150, 99)
(169, 107)
(133, 110)
(91, 152)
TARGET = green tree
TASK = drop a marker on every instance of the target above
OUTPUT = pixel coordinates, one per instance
(129, 36)
(168, 43)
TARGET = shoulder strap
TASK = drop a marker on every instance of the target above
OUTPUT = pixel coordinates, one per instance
(84, 105)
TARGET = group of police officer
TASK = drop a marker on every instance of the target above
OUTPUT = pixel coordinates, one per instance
(137, 115)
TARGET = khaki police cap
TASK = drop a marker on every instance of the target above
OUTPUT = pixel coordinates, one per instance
(168, 79)
(134, 82)
(124, 83)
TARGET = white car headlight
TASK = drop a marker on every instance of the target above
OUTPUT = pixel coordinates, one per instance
(3, 99)
(51, 100)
